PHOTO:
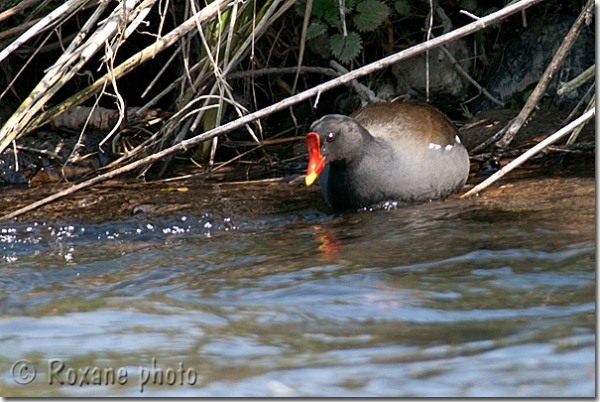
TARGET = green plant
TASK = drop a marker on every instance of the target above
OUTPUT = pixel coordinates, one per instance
(360, 16)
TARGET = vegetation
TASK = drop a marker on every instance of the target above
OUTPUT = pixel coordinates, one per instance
(188, 68)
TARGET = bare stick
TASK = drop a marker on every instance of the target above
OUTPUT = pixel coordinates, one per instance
(519, 161)
(285, 103)
(490, 140)
(540, 88)
(281, 70)
(577, 131)
(576, 82)
(429, 29)
(466, 75)
(583, 100)
(365, 93)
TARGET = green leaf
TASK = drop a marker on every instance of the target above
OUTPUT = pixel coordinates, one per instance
(315, 29)
(333, 18)
(371, 13)
(345, 50)
(300, 7)
(350, 4)
(324, 8)
(402, 7)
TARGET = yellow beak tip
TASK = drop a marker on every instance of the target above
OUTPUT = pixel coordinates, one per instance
(310, 178)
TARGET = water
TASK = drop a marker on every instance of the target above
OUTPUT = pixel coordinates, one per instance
(493, 296)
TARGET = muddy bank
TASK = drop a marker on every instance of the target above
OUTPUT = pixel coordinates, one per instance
(530, 188)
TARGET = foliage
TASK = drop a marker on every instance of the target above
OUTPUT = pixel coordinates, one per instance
(345, 49)
(366, 16)
(361, 16)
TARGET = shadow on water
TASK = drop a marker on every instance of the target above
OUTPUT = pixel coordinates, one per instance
(263, 291)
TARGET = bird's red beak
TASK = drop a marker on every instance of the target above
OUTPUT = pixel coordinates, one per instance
(316, 161)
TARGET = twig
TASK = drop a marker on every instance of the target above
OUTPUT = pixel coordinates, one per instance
(363, 91)
(473, 16)
(540, 88)
(49, 154)
(160, 73)
(259, 181)
(282, 70)
(263, 142)
(577, 131)
(342, 6)
(491, 140)
(573, 148)
(14, 143)
(576, 82)
(429, 29)
(307, 12)
(579, 104)
(466, 75)
(283, 104)
(17, 30)
(517, 162)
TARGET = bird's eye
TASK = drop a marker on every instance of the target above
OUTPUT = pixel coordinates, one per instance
(330, 137)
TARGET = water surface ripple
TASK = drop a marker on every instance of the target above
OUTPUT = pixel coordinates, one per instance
(442, 299)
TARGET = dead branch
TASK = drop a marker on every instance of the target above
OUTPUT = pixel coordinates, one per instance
(364, 92)
(540, 88)
(521, 159)
(466, 76)
(282, 70)
(576, 82)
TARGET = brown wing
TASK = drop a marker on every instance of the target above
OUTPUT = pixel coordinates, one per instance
(406, 121)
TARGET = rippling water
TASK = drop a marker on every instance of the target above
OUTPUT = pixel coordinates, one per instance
(456, 298)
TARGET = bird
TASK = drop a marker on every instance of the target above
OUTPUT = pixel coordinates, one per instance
(408, 152)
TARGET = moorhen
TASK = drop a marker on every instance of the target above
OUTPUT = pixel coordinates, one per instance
(386, 151)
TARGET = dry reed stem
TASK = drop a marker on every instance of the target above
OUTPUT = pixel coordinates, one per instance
(63, 70)
(9, 132)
